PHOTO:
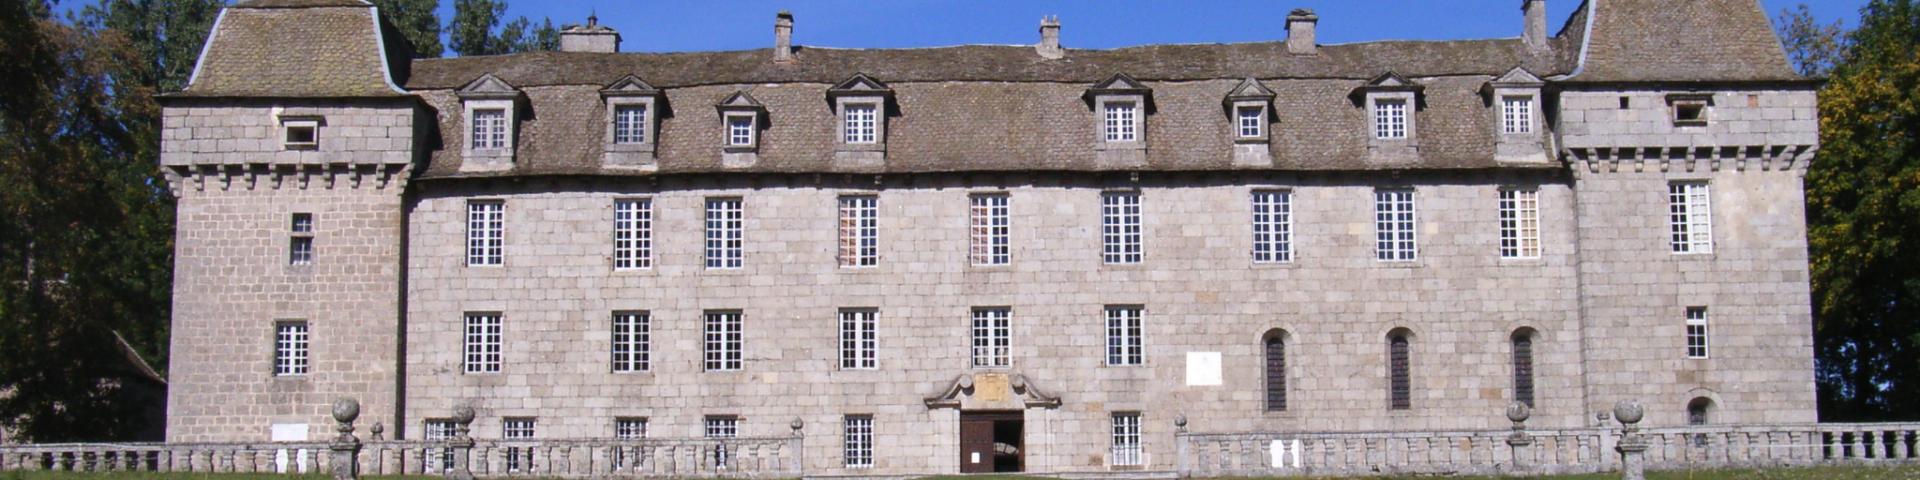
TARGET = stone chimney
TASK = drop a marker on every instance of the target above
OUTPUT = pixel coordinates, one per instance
(783, 37)
(1300, 37)
(1049, 46)
(592, 37)
(1535, 35)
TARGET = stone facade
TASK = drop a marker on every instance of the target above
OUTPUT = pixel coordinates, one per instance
(391, 176)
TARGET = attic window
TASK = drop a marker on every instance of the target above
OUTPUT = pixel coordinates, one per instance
(1626, 103)
(489, 128)
(1251, 121)
(740, 130)
(1690, 110)
(1120, 121)
(300, 134)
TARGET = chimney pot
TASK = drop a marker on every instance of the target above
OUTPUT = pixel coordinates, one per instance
(783, 36)
(1049, 46)
(1535, 35)
(1301, 39)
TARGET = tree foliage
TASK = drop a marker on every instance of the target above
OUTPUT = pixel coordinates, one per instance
(418, 21)
(476, 30)
(1813, 47)
(1863, 211)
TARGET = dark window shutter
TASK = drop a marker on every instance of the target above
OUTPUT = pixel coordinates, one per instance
(1523, 369)
(1276, 374)
(1402, 388)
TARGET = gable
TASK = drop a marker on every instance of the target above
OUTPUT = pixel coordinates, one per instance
(629, 86)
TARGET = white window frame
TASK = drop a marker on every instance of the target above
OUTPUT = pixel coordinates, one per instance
(482, 342)
(992, 337)
(742, 129)
(300, 242)
(859, 339)
(859, 231)
(858, 436)
(1126, 335)
(1127, 451)
(486, 233)
(1250, 121)
(1121, 230)
(1390, 118)
(292, 341)
(723, 335)
(991, 217)
(289, 125)
(1121, 120)
(860, 122)
(488, 129)
(518, 429)
(628, 429)
(632, 349)
(720, 427)
(1272, 226)
(1516, 114)
(1520, 223)
(633, 234)
(726, 233)
(1396, 225)
(1690, 217)
(630, 123)
(1698, 341)
(438, 431)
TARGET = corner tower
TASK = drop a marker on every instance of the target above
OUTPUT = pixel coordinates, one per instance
(288, 151)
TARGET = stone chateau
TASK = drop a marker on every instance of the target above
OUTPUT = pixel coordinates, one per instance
(990, 258)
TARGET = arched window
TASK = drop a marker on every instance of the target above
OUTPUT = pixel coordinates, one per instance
(1698, 410)
(1523, 366)
(1276, 370)
(1399, 380)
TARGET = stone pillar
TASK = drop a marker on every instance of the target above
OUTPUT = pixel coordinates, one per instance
(346, 448)
(461, 444)
(1183, 446)
(799, 447)
(1518, 413)
(1632, 448)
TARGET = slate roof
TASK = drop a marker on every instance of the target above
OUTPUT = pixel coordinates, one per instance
(1682, 41)
(294, 49)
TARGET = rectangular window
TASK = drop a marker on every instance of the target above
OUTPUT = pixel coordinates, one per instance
(1519, 223)
(439, 460)
(1126, 440)
(1690, 215)
(486, 233)
(1121, 123)
(859, 339)
(1390, 119)
(740, 130)
(1120, 227)
(628, 428)
(1250, 121)
(859, 441)
(633, 234)
(723, 342)
(859, 231)
(1690, 113)
(300, 134)
(630, 124)
(1516, 114)
(1400, 375)
(1394, 226)
(992, 337)
(726, 227)
(300, 242)
(521, 429)
(489, 129)
(1126, 336)
(991, 233)
(483, 343)
(290, 349)
(721, 428)
(632, 340)
(1272, 226)
(1696, 332)
(861, 121)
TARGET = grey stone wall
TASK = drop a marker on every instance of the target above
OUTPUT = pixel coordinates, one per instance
(236, 192)
(1201, 291)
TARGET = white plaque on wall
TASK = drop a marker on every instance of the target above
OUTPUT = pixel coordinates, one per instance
(1203, 369)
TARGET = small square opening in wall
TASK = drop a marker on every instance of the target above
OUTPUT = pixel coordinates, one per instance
(1626, 102)
(1690, 113)
(300, 134)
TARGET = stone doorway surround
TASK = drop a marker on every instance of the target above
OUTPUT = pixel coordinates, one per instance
(991, 411)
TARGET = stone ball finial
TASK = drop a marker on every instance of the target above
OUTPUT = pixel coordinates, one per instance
(1180, 421)
(1519, 412)
(1629, 412)
(462, 414)
(378, 428)
(797, 424)
(346, 410)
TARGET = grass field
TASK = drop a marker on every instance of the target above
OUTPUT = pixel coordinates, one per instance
(1821, 473)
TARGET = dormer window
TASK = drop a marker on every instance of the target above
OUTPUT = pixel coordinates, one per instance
(858, 123)
(1390, 119)
(1516, 114)
(861, 104)
(629, 124)
(490, 106)
(633, 120)
(300, 133)
(739, 130)
(740, 115)
(1513, 101)
(1250, 122)
(1690, 109)
(1122, 122)
(1248, 106)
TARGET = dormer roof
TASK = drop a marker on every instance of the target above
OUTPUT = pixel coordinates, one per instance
(1119, 84)
(740, 100)
(1391, 82)
(859, 85)
(1250, 89)
(488, 87)
(1518, 77)
(629, 86)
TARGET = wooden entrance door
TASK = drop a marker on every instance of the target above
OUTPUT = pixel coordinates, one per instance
(991, 442)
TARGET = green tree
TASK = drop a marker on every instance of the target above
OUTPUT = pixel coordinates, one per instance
(418, 20)
(476, 30)
(1863, 202)
(1813, 47)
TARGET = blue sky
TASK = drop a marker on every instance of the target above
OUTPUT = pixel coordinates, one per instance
(659, 25)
